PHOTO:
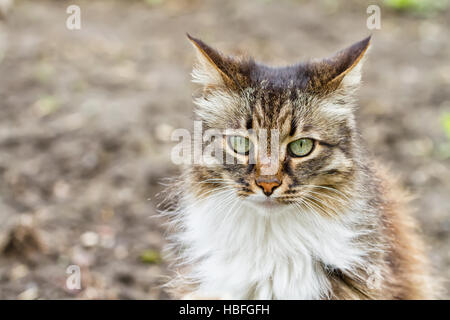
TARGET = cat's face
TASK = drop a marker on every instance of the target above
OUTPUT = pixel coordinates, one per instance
(293, 128)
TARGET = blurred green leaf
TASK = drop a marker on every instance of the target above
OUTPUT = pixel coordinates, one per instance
(446, 124)
(44, 72)
(47, 105)
(418, 6)
(444, 148)
(403, 4)
(151, 256)
(153, 2)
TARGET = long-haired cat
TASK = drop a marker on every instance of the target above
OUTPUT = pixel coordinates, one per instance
(326, 223)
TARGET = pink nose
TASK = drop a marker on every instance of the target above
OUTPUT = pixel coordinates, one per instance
(268, 185)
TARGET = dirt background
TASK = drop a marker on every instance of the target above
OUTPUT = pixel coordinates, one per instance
(86, 115)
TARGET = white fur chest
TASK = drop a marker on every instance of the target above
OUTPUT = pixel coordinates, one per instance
(242, 251)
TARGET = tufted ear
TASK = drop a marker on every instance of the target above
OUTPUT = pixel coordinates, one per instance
(215, 69)
(342, 69)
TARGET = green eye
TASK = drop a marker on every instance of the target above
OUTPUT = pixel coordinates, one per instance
(239, 144)
(301, 147)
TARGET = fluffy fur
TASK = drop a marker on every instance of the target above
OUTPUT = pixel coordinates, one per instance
(336, 226)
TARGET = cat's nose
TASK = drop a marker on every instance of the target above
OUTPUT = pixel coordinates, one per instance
(268, 185)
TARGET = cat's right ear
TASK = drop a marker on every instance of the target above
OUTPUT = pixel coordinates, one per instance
(213, 68)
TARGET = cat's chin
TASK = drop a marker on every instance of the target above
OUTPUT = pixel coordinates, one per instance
(264, 203)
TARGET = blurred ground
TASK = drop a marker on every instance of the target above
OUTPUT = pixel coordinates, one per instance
(85, 118)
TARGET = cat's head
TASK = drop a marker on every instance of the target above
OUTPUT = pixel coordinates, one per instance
(307, 108)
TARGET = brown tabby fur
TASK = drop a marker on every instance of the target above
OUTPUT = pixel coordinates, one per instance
(313, 99)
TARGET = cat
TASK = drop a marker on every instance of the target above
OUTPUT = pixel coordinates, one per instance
(327, 222)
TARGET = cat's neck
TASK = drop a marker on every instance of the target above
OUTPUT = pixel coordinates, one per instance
(242, 249)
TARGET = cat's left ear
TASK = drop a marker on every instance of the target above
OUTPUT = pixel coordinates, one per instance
(343, 69)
